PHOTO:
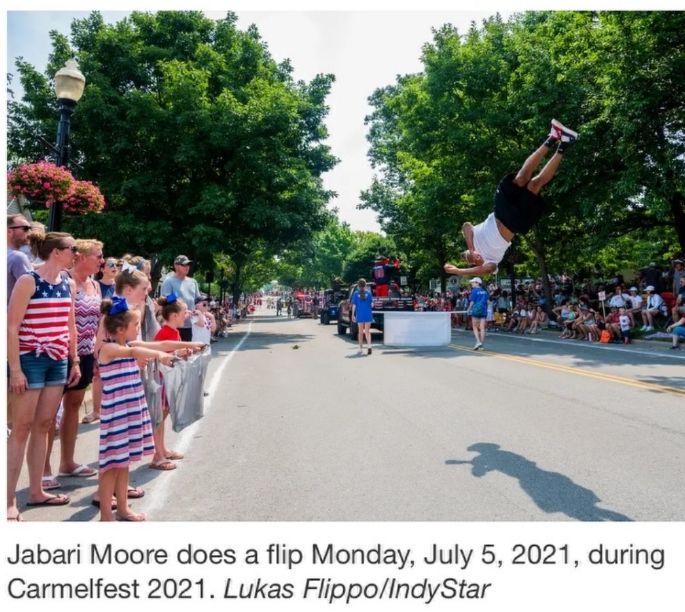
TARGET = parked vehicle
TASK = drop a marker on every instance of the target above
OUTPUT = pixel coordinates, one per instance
(379, 304)
(329, 309)
(303, 306)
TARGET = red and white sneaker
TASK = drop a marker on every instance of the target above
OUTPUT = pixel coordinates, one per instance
(566, 135)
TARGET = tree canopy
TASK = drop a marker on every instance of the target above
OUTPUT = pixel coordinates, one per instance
(441, 139)
(199, 140)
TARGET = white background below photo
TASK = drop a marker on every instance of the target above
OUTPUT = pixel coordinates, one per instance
(370, 566)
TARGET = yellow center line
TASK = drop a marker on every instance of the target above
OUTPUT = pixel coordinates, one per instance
(622, 380)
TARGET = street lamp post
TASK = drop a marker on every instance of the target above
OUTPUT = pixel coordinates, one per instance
(69, 85)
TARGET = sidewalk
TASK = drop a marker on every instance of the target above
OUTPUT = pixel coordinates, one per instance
(80, 490)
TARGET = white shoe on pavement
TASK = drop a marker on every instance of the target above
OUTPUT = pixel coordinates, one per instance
(477, 346)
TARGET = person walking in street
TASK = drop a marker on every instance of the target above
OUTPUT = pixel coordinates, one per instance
(518, 207)
(362, 305)
(478, 310)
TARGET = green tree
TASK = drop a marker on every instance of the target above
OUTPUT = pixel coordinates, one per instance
(200, 142)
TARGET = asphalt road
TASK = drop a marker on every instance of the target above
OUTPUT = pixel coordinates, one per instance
(300, 427)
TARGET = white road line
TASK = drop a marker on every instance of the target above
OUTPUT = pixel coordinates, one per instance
(158, 499)
(589, 345)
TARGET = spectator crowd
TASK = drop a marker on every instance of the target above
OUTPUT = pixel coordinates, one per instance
(81, 318)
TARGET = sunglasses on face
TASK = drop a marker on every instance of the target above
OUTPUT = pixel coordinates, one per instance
(111, 264)
(26, 228)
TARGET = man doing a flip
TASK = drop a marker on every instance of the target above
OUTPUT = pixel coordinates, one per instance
(518, 206)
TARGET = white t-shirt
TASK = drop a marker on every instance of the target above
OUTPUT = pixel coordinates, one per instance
(624, 322)
(654, 302)
(636, 301)
(488, 241)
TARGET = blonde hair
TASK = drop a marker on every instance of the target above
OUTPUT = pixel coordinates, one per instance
(86, 246)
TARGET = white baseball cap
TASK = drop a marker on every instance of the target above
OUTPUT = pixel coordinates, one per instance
(476, 280)
(633, 289)
(650, 288)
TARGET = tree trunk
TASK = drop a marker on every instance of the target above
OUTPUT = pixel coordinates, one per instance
(236, 285)
(539, 251)
(677, 202)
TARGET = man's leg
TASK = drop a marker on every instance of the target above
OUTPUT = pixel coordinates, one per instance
(559, 135)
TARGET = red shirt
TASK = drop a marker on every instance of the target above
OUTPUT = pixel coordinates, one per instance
(168, 333)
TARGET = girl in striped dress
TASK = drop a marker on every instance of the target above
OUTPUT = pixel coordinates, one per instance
(125, 429)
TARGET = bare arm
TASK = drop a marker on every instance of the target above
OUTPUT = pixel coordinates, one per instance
(467, 230)
(486, 268)
(168, 346)
(112, 350)
(16, 309)
(74, 374)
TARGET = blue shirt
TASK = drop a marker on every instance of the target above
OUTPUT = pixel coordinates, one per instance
(479, 299)
(363, 308)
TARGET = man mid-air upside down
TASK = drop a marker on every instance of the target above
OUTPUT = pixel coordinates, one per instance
(518, 207)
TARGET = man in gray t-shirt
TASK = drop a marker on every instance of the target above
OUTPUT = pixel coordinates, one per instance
(18, 263)
(184, 287)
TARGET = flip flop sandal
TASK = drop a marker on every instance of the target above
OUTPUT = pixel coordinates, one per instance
(57, 500)
(133, 517)
(163, 466)
(132, 493)
(135, 493)
(82, 471)
(96, 503)
(49, 483)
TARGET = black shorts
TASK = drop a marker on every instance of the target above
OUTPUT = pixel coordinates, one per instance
(516, 207)
(186, 334)
(86, 363)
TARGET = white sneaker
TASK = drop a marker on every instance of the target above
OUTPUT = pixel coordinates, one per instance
(477, 346)
(649, 328)
(643, 328)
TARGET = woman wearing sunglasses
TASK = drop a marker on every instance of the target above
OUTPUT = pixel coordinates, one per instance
(41, 336)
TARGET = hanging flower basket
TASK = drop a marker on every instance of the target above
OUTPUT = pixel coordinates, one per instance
(41, 181)
(84, 197)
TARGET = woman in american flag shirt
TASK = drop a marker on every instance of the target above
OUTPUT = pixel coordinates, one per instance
(41, 336)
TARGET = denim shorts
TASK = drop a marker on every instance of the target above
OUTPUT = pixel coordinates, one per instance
(679, 331)
(43, 371)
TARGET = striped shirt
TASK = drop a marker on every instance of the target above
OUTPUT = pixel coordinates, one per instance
(87, 315)
(45, 328)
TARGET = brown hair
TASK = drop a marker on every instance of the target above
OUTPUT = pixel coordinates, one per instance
(113, 323)
(128, 279)
(44, 243)
(362, 288)
(168, 309)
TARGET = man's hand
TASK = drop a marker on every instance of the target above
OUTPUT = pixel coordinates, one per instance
(452, 269)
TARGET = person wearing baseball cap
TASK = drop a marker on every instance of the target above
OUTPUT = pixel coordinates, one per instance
(635, 307)
(478, 310)
(185, 287)
(653, 308)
